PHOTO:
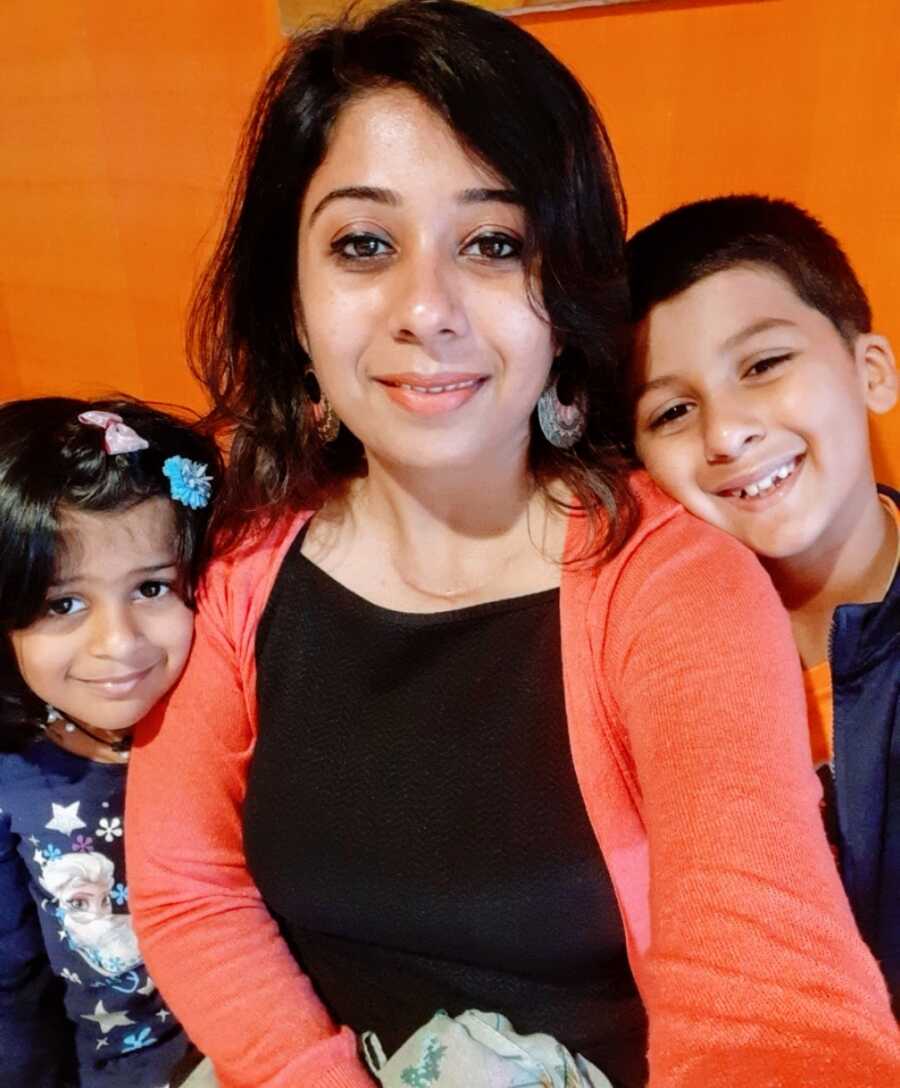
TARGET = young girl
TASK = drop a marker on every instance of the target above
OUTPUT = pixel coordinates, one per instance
(103, 510)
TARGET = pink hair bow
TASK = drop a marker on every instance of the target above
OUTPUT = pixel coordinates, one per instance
(118, 437)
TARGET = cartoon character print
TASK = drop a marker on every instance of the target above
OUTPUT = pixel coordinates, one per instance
(82, 885)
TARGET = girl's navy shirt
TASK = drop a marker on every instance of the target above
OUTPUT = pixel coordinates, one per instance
(76, 1003)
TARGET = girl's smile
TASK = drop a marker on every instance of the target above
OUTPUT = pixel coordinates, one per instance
(115, 633)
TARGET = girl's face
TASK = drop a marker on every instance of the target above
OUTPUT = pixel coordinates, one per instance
(115, 634)
(413, 292)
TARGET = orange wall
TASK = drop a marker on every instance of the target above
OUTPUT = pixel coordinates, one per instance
(119, 122)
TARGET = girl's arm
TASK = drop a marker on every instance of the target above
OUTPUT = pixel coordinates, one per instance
(754, 972)
(208, 939)
(34, 1040)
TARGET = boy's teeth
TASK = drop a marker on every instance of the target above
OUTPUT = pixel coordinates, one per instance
(767, 482)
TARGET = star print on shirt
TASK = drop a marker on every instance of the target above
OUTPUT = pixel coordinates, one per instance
(105, 1020)
(65, 818)
(102, 1041)
(163, 1014)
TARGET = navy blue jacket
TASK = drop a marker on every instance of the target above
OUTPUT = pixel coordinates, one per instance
(865, 668)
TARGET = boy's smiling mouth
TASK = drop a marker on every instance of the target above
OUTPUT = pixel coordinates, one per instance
(759, 484)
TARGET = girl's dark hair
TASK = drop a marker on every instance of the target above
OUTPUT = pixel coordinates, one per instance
(51, 462)
(519, 112)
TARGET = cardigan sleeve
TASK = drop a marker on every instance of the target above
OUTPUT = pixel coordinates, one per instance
(753, 972)
(210, 943)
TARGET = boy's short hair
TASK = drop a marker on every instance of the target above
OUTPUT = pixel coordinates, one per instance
(697, 240)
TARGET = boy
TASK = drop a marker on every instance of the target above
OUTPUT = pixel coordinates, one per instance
(754, 369)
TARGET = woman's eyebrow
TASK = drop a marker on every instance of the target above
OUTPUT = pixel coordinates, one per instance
(487, 196)
(394, 200)
(356, 192)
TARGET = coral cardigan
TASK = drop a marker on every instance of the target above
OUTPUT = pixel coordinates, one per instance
(688, 733)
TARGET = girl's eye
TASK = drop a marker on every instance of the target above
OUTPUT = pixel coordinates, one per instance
(151, 589)
(360, 247)
(64, 606)
(494, 246)
(763, 366)
(670, 415)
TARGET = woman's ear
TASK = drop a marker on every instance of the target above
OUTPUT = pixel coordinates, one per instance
(878, 371)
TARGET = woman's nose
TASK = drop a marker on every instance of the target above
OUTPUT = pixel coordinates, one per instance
(428, 305)
(730, 427)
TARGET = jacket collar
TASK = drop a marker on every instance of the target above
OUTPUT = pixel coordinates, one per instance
(863, 633)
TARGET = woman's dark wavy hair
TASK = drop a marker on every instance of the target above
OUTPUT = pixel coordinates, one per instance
(519, 112)
(49, 463)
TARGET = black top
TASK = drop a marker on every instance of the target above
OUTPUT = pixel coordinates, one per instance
(414, 823)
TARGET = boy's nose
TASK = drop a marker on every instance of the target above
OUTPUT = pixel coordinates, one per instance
(729, 430)
(427, 306)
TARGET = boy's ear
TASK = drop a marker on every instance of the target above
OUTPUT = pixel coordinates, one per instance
(878, 371)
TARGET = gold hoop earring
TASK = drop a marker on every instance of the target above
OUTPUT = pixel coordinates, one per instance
(328, 425)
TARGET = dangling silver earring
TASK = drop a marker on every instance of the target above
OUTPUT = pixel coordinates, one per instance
(561, 424)
(327, 423)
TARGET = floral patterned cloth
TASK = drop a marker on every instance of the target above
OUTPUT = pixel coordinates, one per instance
(479, 1050)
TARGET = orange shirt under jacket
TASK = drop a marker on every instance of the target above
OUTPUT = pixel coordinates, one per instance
(688, 733)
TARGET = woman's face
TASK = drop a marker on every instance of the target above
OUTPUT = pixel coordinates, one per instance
(415, 311)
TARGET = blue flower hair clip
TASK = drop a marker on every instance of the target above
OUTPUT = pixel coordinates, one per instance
(188, 481)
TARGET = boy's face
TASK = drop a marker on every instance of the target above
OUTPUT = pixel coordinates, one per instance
(752, 411)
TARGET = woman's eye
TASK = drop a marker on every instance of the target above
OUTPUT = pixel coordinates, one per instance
(360, 247)
(64, 606)
(494, 247)
(670, 415)
(151, 589)
(763, 366)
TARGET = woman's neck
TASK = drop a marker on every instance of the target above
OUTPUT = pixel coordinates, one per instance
(417, 541)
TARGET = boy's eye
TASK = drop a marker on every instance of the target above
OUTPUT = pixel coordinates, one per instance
(360, 246)
(151, 589)
(670, 415)
(763, 366)
(64, 606)
(494, 246)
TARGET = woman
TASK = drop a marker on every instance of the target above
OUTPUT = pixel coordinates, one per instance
(497, 726)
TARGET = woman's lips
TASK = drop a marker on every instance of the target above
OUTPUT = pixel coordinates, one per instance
(433, 394)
